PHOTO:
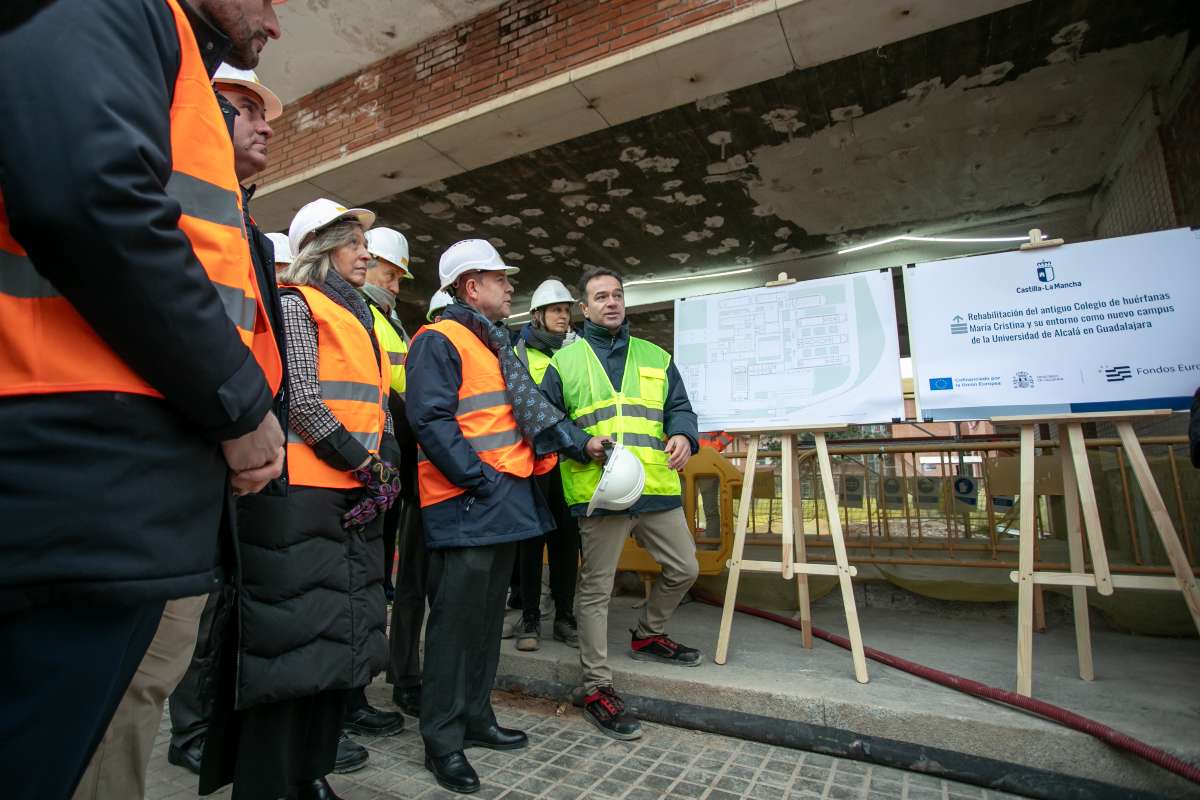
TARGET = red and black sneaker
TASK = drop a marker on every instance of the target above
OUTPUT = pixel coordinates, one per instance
(606, 710)
(662, 648)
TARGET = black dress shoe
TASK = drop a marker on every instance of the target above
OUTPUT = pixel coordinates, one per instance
(408, 699)
(351, 755)
(370, 721)
(187, 756)
(496, 738)
(453, 772)
(316, 790)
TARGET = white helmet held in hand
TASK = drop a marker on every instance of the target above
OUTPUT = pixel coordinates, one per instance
(319, 213)
(470, 255)
(391, 245)
(549, 293)
(437, 304)
(283, 253)
(620, 484)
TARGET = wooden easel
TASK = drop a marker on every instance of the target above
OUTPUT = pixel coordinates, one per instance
(794, 562)
(1079, 495)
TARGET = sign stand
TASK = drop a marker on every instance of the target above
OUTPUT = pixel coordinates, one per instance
(793, 562)
(1080, 496)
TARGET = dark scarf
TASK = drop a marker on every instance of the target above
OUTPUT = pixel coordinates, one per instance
(339, 291)
(544, 340)
(533, 411)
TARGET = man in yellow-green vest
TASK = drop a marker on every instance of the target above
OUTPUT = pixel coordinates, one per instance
(616, 387)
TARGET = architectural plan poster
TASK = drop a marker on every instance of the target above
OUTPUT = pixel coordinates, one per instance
(1108, 325)
(821, 352)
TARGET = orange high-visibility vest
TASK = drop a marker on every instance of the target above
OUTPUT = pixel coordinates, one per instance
(354, 385)
(46, 347)
(717, 440)
(485, 416)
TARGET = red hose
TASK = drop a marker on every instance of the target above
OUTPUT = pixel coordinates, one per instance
(1039, 707)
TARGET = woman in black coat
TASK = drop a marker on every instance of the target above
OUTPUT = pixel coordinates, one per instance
(311, 609)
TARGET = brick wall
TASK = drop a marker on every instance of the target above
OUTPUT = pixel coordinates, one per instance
(1139, 200)
(514, 45)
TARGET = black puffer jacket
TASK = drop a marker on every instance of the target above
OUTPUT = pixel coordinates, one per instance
(311, 609)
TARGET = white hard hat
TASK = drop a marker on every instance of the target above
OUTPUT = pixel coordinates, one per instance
(467, 256)
(436, 303)
(621, 483)
(319, 213)
(389, 244)
(283, 253)
(248, 80)
(549, 293)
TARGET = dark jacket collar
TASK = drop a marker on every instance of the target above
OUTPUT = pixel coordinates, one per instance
(598, 334)
(214, 45)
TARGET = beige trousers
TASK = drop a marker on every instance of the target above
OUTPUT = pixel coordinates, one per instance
(117, 770)
(666, 536)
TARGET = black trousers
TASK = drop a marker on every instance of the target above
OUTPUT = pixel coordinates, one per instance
(408, 607)
(191, 702)
(63, 671)
(391, 524)
(462, 642)
(562, 550)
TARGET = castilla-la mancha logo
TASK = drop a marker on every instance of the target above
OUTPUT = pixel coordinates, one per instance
(1045, 271)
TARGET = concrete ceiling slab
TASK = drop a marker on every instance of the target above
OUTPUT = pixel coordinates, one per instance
(725, 54)
(494, 132)
(325, 40)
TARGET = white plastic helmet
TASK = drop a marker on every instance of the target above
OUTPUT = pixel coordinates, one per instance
(391, 245)
(248, 80)
(549, 293)
(437, 304)
(319, 213)
(621, 483)
(283, 252)
(467, 256)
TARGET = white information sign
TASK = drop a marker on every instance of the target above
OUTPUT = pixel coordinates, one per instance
(1108, 325)
(821, 352)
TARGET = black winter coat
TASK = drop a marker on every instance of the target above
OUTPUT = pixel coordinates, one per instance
(104, 496)
(312, 614)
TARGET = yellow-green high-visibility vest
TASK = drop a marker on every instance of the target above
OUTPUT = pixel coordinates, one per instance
(534, 359)
(392, 343)
(632, 416)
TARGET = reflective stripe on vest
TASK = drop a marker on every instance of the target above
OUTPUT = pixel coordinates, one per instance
(46, 347)
(633, 416)
(393, 345)
(484, 415)
(354, 386)
(534, 359)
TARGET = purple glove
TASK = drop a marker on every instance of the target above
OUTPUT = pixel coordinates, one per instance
(382, 484)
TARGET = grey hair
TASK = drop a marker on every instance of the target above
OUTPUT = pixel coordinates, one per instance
(312, 264)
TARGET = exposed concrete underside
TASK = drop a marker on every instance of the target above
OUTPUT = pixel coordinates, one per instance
(1144, 686)
(992, 119)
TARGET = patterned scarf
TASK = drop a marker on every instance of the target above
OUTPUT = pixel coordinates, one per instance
(533, 411)
(339, 291)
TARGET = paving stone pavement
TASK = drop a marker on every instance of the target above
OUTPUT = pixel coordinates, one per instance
(567, 758)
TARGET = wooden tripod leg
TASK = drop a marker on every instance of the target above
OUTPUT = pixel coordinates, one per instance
(1083, 631)
(802, 597)
(1162, 520)
(1091, 513)
(843, 563)
(739, 544)
(1025, 567)
(787, 535)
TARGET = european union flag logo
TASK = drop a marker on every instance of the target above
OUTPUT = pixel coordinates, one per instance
(941, 384)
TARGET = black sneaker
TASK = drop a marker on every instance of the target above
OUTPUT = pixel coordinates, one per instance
(351, 756)
(529, 635)
(662, 648)
(408, 699)
(606, 710)
(566, 631)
